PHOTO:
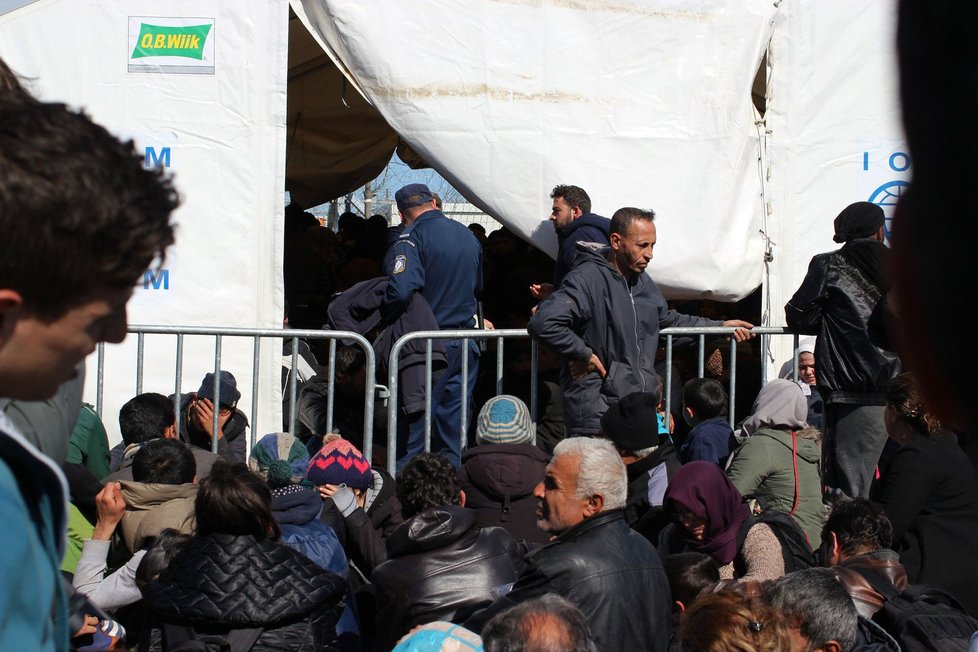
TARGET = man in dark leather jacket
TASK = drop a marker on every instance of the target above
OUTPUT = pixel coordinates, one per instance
(843, 300)
(596, 561)
(440, 564)
(856, 539)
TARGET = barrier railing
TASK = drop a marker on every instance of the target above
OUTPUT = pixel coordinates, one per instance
(371, 387)
(702, 332)
(464, 335)
(257, 335)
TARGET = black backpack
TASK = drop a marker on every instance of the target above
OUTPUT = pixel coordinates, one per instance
(795, 550)
(921, 618)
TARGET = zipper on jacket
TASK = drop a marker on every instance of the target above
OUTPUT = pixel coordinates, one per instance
(638, 347)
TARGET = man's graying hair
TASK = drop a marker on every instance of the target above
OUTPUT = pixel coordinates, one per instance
(601, 471)
(815, 602)
(550, 623)
(622, 220)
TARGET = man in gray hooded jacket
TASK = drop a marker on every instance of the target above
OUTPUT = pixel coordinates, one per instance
(605, 320)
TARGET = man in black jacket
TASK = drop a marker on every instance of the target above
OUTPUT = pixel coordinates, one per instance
(197, 409)
(595, 560)
(604, 321)
(843, 300)
(632, 426)
(440, 564)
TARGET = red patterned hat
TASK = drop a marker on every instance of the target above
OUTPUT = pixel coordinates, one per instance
(340, 462)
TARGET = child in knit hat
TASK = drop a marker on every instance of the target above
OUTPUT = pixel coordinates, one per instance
(282, 460)
(363, 496)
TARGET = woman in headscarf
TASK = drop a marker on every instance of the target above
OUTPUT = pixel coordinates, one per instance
(807, 380)
(710, 516)
(778, 463)
(929, 491)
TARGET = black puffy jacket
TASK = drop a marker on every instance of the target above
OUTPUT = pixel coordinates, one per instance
(440, 566)
(221, 582)
(842, 303)
(611, 573)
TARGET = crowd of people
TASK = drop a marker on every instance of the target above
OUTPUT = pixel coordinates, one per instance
(838, 515)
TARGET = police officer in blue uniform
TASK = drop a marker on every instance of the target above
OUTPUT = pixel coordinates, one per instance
(442, 260)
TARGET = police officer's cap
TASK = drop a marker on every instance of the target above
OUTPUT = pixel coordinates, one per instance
(411, 195)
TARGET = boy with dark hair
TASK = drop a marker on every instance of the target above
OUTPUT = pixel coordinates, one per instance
(165, 461)
(705, 408)
(145, 418)
(82, 220)
(689, 573)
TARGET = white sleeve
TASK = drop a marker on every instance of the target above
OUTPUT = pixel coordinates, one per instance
(116, 590)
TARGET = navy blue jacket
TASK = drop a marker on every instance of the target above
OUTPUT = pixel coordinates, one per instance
(440, 259)
(587, 228)
(710, 441)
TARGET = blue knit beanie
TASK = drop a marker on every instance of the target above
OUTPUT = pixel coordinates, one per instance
(504, 420)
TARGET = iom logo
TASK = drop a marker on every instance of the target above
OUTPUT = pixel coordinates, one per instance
(888, 194)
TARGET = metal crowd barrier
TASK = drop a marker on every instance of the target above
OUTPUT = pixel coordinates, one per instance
(465, 335)
(257, 335)
(702, 331)
(668, 333)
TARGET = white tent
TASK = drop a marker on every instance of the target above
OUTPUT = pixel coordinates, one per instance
(642, 102)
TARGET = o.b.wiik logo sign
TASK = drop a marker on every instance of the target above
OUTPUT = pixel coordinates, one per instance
(171, 45)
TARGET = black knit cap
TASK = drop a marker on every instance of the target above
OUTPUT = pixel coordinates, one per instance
(859, 220)
(632, 422)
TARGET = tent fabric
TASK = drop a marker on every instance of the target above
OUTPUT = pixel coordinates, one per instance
(337, 141)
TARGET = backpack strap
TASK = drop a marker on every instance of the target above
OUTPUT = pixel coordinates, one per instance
(242, 640)
(879, 583)
(794, 461)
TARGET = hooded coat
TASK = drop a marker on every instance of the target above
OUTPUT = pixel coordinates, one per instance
(589, 227)
(221, 582)
(597, 310)
(779, 461)
(498, 480)
(764, 467)
(151, 508)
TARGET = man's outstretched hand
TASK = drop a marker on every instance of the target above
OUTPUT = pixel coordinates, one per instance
(742, 334)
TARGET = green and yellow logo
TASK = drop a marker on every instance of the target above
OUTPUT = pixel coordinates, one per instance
(166, 41)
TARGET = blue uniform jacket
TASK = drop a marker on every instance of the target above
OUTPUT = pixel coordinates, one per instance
(440, 259)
